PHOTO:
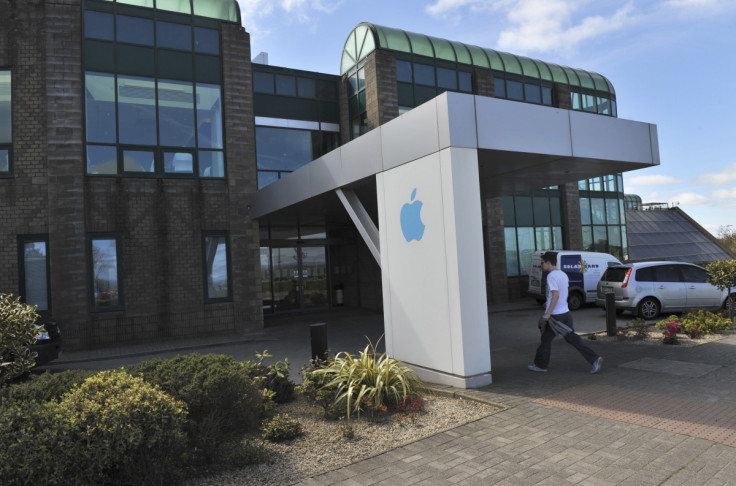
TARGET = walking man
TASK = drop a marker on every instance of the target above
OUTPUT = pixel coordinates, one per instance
(556, 308)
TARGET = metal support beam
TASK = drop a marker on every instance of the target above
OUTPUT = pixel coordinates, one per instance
(361, 220)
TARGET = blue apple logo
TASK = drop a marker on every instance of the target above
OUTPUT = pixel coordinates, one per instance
(411, 219)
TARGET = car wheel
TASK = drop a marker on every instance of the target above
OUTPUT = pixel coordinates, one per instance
(648, 308)
(574, 301)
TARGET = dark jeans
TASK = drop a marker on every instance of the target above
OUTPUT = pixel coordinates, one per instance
(544, 351)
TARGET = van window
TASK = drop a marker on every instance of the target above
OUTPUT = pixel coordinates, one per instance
(667, 273)
(645, 275)
(615, 274)
(694, 274)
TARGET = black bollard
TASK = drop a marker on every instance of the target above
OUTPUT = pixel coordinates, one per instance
(318, 333)
(610, 314)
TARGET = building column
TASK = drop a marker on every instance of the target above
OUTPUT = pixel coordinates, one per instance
(381, 92)
(497, 284)
(572, 228)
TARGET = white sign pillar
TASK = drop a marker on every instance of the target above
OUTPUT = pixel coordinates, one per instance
(432, 267)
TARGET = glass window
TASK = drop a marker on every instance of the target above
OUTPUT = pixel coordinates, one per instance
(209, 116)
(447, 78)
(361, 79)
(585, 211)
(106, 293)
(102, 160)
(600, 239)
(609, 183)
(514, 90)
(4, 161)
(403, 71)
(307, 87)
(465, 81)
(176, 113)
(175, 36)
(211, 164)
(509, 219)
(34, 272)
(100, 107)
(206, 41)
(512, 254)
(134, 30)
(282, 148)
(142, 161)
(588, 238)
(612, 211)
(667, 273)
(181, 6)
(575, 100)
(136, 111)
(523, 211)
(596, 184)
(541, 212)
(543, 237)
(532, 93)
(98, 25)
(499, 87)
(178, 162)
(645, 274)
(6, 123)
(285, 85)
(217, 265)
(614, 242)
(263, 82)
(694, 274)
(424, 74)
(557, 233)
(583, 185)
(598, 209)
(526, 249)
(547, 95)
(267, 177)
(555, 209)
(589, 103)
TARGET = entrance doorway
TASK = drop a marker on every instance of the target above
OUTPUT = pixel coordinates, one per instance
(294, 278)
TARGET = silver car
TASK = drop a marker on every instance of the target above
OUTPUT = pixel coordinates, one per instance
(648, 288)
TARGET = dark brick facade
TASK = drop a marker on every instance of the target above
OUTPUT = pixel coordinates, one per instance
(160, 221)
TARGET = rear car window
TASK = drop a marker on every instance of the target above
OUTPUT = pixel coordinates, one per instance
(645, 275)
(615, 274)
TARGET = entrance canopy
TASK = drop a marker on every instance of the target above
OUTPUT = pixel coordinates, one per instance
(520, 147)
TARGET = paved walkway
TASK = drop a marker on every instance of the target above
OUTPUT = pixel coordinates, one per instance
(655, 414)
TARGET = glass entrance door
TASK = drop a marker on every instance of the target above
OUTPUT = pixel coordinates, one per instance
(298, 278)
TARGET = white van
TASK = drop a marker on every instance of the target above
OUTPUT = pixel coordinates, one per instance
(583, 268)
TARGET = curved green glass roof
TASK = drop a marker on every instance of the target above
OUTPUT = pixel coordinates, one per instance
(216, 9)
(366, 37)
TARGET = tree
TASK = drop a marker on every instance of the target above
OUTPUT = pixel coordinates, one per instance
(727, 236)
(722, 274)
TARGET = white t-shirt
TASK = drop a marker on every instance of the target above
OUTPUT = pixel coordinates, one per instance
(557, 280)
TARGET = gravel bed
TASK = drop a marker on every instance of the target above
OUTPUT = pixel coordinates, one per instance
(323, 447)
(655, 336)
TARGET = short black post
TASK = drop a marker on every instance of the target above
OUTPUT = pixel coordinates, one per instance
(610, 314)
(318, 333)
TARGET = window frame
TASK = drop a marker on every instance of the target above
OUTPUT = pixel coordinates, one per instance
(206, 270)
(9, 145)
(91, 238)
(22, 241)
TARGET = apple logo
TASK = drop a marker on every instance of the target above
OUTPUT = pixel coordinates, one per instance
(411, 219)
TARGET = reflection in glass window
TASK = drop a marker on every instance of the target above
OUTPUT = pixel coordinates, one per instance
(136, 111)
(106, 291)
(447, 78)
(102, 159)
(600, 239)
(134, 30)
(6, 122)
(465, 81)
(176, 113)
(98, 25)
(598, 209)
(514, 90)
(100, 107)
(285, 85)
(424, 74)
(512, 253)
(211, 163)
(585, 210)
(138, 161)
(499, 88)
(4, 160)
(216, 263)
(181, 6)
(532, 93)
(263, 82)
(34, 273)
(209, 116)
(526, 249)
(547, 95)
(282, 149)
(175, 36)
(612, 211)
(403, 71)
(307, 87)
(206, 41)
(589, 103)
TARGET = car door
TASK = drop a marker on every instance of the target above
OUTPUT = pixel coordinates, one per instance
(670, 288)
(698, 291)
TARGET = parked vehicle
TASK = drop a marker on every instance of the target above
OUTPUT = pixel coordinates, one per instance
(648, 288)
(48, 342)
(583, 268)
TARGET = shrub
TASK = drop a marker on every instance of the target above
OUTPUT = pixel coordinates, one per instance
(369, 382)
(314, 388)
(274, 377)
(112, 429)
(280, 428)
(223, 400)
(17, 332)
(45, 387)
(695, 324)
(640, 327)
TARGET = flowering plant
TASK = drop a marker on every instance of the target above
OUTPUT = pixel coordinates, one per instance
(670, 332)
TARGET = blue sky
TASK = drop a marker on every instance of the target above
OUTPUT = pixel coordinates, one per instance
(672, 63)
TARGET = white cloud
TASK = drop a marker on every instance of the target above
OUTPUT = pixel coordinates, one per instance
(301, 11)
(725, 176)
(724, 197)
(653, 180)
(689, 198)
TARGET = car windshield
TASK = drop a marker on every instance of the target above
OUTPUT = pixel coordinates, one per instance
(615, 274)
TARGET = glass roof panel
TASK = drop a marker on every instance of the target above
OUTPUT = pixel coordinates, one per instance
(571, 76)
(442, 49)
(511, 63)
(599, 81)
(585, 80)
(364, 41)
(610, 86)
(139, 3)
(496, 61)
(348, 54)
(479, 57)
(462, 53)
(181, 6)
(558, 74)
(530, 69)
(396, 39)
(544, 71)
(420, 44)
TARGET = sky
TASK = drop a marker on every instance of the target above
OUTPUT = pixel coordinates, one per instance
(671, 62)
